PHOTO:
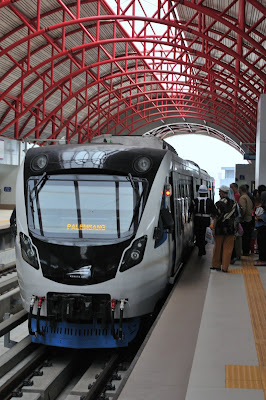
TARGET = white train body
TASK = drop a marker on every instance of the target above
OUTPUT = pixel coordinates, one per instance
(101, 231)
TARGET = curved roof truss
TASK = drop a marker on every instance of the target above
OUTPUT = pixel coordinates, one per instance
(77, 69)
(186, 128)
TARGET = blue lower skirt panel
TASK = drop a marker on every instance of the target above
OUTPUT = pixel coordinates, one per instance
(83, 336)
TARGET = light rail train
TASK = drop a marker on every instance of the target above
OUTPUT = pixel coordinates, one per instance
(102, 229)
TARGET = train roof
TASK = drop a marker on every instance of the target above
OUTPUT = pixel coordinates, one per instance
(145, 141)
(148, 141)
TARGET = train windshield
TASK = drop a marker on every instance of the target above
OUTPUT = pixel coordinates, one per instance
(88, 207)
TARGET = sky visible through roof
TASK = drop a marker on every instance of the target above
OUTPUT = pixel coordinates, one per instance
(209, 153)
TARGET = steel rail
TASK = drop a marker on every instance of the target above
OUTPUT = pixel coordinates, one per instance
(101, 380)
(9, 268)
(8, 284)
(12, 322)
(37, 358)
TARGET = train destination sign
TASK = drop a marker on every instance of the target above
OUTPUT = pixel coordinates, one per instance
(83, 227)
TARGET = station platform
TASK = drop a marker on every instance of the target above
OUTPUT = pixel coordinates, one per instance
(7, 250)
(209, 341)
(5, 218)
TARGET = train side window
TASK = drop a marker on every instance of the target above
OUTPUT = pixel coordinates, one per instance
(183, 219)
(190, 193)
(165, 222)
(186, 201)
(168, 221)
(190, 190)
(183, 190)
(158, 234)
(177, 204)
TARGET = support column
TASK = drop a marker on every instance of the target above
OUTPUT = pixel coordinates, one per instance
(260, 172)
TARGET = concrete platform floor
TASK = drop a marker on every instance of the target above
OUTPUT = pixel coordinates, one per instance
(210, 340)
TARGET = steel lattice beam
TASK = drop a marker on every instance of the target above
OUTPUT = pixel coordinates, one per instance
(119, 70)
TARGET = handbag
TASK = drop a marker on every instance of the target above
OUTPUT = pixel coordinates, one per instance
(209, 236)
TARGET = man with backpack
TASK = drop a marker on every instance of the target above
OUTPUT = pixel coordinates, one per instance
(224, 229)
(202, 207)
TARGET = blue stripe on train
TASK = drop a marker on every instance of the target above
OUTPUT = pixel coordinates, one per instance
(83, 336)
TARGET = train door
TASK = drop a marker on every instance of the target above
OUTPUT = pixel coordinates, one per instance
(176, 208)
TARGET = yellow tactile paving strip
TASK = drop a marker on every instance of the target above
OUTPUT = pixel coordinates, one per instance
(246, 376)
(235, 271)
(5, 218)
(243, 377)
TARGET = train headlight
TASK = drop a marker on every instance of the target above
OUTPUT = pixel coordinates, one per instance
(134, 255)
(28, 251)
(142, 164)
(39, 162)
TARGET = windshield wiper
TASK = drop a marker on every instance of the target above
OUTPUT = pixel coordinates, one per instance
(136, 209)
(42, 179)
(129, 177)
(139, 198)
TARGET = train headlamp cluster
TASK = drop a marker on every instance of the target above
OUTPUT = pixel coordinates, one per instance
(28, 251)
(134, 255)
(39, 162)
(142, 164)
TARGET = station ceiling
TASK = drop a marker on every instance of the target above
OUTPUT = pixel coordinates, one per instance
(72, 70)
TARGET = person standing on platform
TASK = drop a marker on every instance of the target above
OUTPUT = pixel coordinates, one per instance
(224, 229)
(202, 207)
(246, 209)
(237, 250)
(250, 195)
(261, 188)
(260, 218)
(234, 187)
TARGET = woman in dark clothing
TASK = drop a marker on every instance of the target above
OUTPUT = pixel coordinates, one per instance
(261, 231)
(224, 229)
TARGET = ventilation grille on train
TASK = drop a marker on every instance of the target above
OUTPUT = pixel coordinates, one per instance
(76, 332)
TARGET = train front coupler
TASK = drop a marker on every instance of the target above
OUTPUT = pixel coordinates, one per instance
(40, 300)
(120, 329)
(122, 302)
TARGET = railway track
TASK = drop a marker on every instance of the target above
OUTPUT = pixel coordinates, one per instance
(8, 269)
(48, 373)
(8, 279)
(10, 302)
(37, 372)
(30, 371)
(33, 372)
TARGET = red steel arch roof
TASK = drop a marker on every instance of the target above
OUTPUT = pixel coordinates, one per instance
(72, 70)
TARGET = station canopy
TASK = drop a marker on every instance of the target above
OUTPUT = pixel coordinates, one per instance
(72, 70)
